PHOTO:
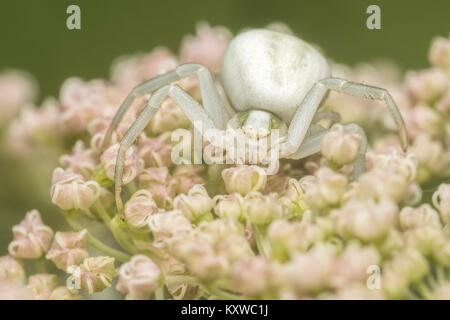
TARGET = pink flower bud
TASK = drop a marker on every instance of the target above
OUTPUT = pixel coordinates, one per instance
(378, 184)
(167, 225)
(261, 209)
(424, 119)
(411, 218)
(139, 277)
(244, 179)
(68, 248)
(11, 290)
(311, 272)
(353, 263)
(365, 220)
(98, 128)
(64, 293)
(11, 269)
(70, 191)
(207, 47)
(42, 285)
(394, 162)
(430, 155)
(34, 126)
(82, 101)
(441, 200)
(339, 146)
(439, 54)
(428, 240)
(426, 85)
(31, 237)
(407, 264)
(290, 238)
(131, 166)
(443, 105)
(129, 71)
(196, 204)
(168, 118)
(229, 206)
(17, 88)
(81, 161)
(186, 176)
(254, 276)
(327, 189)
(198, 254)
(96, 273)
(156, 152)
(139, 209)
(157, 181)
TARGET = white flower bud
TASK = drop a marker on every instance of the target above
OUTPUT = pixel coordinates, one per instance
(229, 206)
(244, 179)
(340, 147)
(261, 209)
(195, 205)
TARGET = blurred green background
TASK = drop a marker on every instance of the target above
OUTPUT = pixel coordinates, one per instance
(34, 37)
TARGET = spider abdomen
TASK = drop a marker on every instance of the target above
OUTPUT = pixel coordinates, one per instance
(271, 71)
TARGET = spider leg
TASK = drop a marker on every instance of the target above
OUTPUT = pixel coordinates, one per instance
(193, 110)
(313, 144)
(211, 98)
(334, 117)
(305, 113)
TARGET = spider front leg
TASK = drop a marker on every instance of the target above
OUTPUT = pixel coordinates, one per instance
(193, 110)
(313, 144)
(212, 102)
(306, 112)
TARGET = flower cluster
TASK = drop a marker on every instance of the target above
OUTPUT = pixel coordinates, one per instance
(311, 231)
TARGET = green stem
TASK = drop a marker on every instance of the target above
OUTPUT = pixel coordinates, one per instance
(39, 265)
(122, 238)
(98, 244)
(262, 243)
(112, 225)
(159, 293)
(424, 291)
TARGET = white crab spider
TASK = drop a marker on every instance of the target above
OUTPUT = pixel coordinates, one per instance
(270, 78)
